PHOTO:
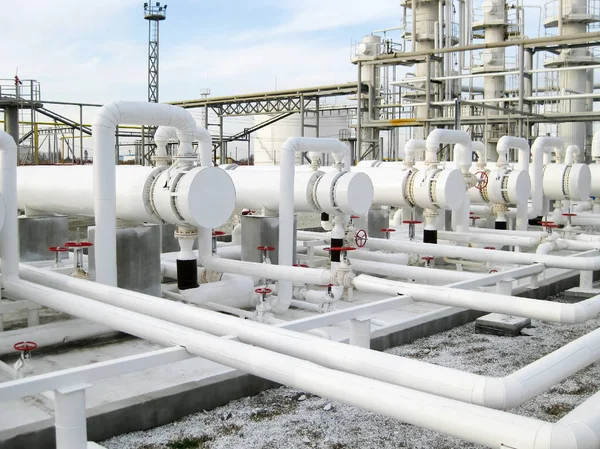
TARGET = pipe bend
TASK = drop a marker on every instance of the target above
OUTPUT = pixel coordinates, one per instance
(499, 393)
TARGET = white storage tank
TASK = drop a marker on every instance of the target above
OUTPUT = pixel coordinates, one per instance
(267, 141)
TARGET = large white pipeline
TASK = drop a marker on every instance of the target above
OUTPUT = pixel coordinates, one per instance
(103, 133)
(9, 242)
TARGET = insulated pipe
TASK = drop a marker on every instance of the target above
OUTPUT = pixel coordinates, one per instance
(103, 133)
(504, 392)
(376, 256)
(411, 148)
(572, 154)
(494, 428)
(541, 146)
(487, 302)
(441, 136)
(288, 152)
(506, 143)
(165, 133)
(479, 148)
(409, 272)
(596, 146)
(484, 255)
(239, 288)
(9, 241)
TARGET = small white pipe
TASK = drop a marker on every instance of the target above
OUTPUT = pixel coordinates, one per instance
(572, 154)
(505, 143)
(239, 290)
(442, 136)
(376, 256)
(412, 147)
(103, 133)
(409, 272)
(488, 302)
(479, 149)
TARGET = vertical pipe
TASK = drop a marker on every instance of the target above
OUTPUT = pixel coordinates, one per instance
(11, 121)
(359, 114)
(36, 144)
(521, 87)
(80, 133)
(360, 333)
(223, 156)
(9, 244)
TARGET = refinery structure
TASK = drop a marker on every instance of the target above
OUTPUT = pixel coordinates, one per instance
(150, 272)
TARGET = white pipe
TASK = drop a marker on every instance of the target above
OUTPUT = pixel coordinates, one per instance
(470, 422)
(488, 302)
(9, 242)
(483, 255)
(505, 143)
(411, 148)
(596, 146)
(239, 290)
(442, 136)
(288, 152)
(541, 146)
(452, 417)
(409, 272)
(164, 134)
(572, 154)
(376, 256)
(103, 133)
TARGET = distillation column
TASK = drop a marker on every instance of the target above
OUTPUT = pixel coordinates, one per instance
(425, 36)
(493, 25)
(369, 48)
(571, 17)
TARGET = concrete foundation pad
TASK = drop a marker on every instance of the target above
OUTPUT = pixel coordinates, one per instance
(498, 324)
(577, 294)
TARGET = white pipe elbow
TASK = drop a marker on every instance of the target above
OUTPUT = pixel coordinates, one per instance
(162, 136)
(572, 154)
(479, 148)
(412, 147)
(205, 149)
(499, 393)
(596, 146)
(441, 136)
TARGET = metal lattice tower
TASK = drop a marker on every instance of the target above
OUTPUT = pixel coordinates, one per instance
(153, 14)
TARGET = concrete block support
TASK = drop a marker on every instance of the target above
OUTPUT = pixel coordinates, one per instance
(360, 332)
(37, 234)
(138, 258)
(69, 417)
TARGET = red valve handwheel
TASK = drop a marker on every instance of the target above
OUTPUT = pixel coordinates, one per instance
(387, 230)
(218, 233)
(58, 249)
(361, 238)
(25, 346)
(482, 180)
(265, 248)
(263, 291)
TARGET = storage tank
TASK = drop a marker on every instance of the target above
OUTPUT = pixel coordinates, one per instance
(267, 141)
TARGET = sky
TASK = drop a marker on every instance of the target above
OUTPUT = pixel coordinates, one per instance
(92, 51)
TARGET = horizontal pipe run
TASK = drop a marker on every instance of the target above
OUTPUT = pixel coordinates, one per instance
(487, 302)
(408, 272)
(495, 428)
(402, 371)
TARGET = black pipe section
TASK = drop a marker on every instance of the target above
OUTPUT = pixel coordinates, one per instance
(501, 225)
(324, 216)
(187, 274)
(336, 254)
(430, 236)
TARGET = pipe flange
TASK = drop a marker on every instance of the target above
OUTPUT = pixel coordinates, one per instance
(148, 193)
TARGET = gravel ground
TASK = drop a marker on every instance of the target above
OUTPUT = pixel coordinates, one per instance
(286, 418)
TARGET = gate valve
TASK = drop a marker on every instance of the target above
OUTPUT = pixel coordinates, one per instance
(569, 217)
(25, 347)
(215, 235)
(265, 252)
(549, 226)
(57, 250)
(428, 261)
(78, 248)
(411, 228)
(343, 250)
(489, 247)
(474, 219)
(387, 232)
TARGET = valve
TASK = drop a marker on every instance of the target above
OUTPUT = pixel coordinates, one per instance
(482, 180)
(263, 292)
(569, 217)
(549, 226)
(360, 238)
(215, 234)
(57, 250)
(265, 252)
(387, 232)
(473, 220)
(23, 364)
(78, 255)
(411, 228)
(489, 247)
(343, 251)
(429, 260)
